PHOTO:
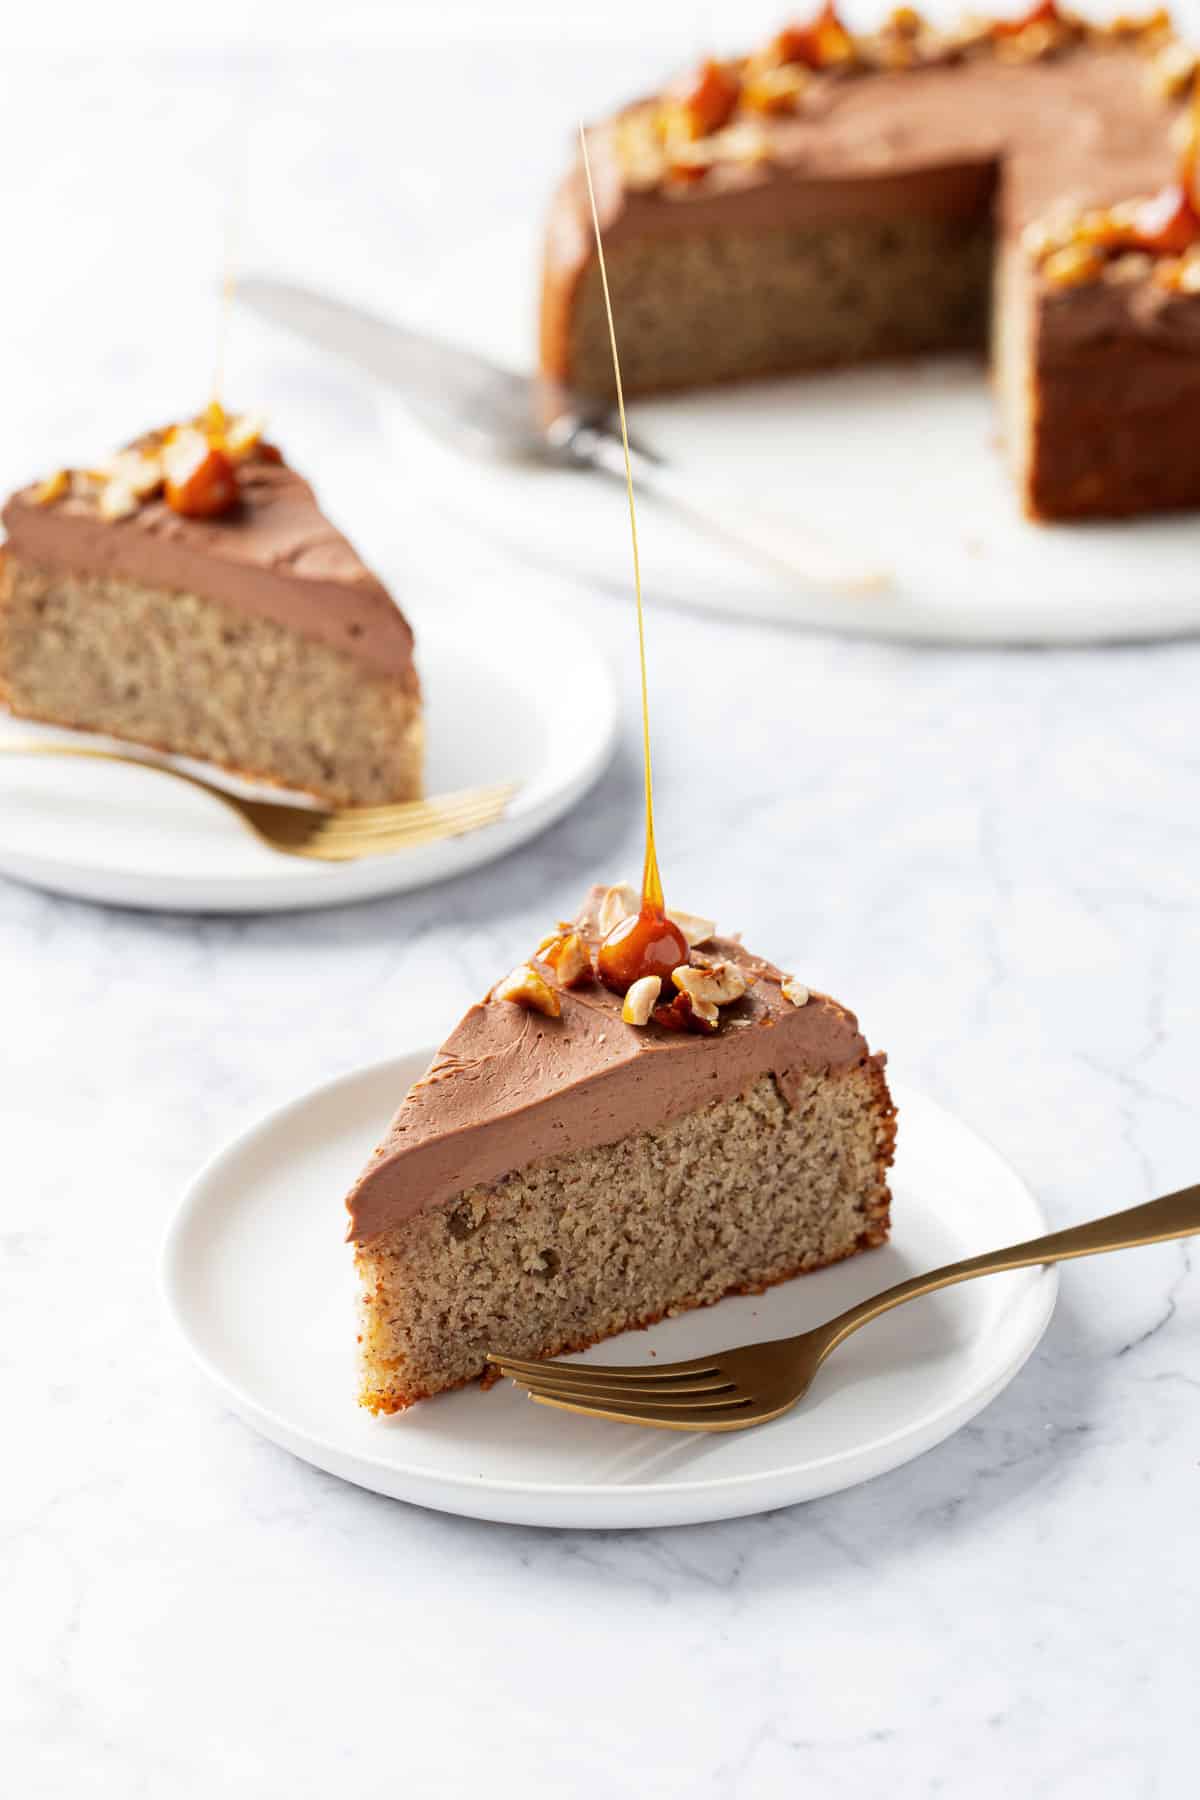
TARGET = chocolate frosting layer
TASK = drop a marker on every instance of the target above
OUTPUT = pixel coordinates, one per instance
(277, 557)
(1077, 130)
(1080, 126)
(509, 1087)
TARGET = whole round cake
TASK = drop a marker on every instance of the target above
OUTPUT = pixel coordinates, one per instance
(1030, 184)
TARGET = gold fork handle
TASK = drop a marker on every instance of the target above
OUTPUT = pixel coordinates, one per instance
(295, 818)
(1173, 1216)
(130, 762)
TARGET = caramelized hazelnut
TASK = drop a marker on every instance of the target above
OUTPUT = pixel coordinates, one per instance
(201, 480)
(1167, 224)
(1045, 13)
(819, 44)
(707, 102)
(681, 1015)
(648, 943)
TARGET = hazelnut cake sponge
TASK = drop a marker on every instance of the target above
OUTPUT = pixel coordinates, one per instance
(190, 595)
(835, 197)
(576, 1162)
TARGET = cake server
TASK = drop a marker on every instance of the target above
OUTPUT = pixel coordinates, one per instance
(756, 1382)
(487, 409)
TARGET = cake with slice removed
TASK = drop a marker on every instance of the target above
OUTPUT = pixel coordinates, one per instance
(836, 197)
(191, 596)
(575, 1162)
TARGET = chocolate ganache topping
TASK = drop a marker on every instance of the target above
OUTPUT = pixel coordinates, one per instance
(511, 1086)
(275, 556)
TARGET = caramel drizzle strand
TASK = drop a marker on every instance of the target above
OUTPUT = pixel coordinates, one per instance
(652, 890)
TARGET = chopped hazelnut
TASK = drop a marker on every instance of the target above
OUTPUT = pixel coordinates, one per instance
(695, 929)
(1041, 238)
(243, 436)
(568, 957)
(1035, 42)
(707, 100)
(1180, 274)
(1189, 273)
(821, 44)
(776, 89)
(1135, 265)
(53, 488)
(795, 991)
(1073, 265)
(716, 985)
(691, 162)
(1172, 70)
(620, 902)
(138, 470)
(116, 501)
(682, 1014)
(641, 1000)
(905, 21)
(639, 148)
(525, 987)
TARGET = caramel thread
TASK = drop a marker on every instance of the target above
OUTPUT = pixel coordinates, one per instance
(652, 889)
(235, 209)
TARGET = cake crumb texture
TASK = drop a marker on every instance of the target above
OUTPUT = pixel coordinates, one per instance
(575, 1248)
(722, 306)
(189, 675)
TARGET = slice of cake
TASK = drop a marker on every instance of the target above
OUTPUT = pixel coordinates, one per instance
(191, 596)
(836, 197)
(576, 1162)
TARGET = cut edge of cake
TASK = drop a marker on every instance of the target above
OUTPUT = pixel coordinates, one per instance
(253, 638)
(560, 1175)
(745, 238)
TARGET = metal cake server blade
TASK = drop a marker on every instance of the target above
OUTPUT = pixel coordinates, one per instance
(485, 408)
(461, 394)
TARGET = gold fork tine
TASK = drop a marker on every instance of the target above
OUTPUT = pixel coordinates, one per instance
(332, 844)
(728, 1393)
(634, 1372)
(423, 817)
(695, 1398)
(432, 807)
(752, 1383)
(668, 1418)
(704, 1385)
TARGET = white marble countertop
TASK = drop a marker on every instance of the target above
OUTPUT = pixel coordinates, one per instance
(994, 856)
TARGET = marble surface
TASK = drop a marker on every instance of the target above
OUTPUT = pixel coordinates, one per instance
(995, 857)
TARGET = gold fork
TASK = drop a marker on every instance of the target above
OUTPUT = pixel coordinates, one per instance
(334, 836)
(736, 1388)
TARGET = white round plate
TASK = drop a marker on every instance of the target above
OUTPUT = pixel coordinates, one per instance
(133, 838)
(900, 463)
(261, 1284)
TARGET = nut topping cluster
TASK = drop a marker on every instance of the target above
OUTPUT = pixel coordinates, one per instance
(716, 117)
(195, 467)
(564, 960)
(1155, 238)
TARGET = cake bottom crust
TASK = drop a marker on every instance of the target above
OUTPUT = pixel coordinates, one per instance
(191, 676)
(736, 1198)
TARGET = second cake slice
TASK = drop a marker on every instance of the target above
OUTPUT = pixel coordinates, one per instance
(561, 1174)
(222, 617)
